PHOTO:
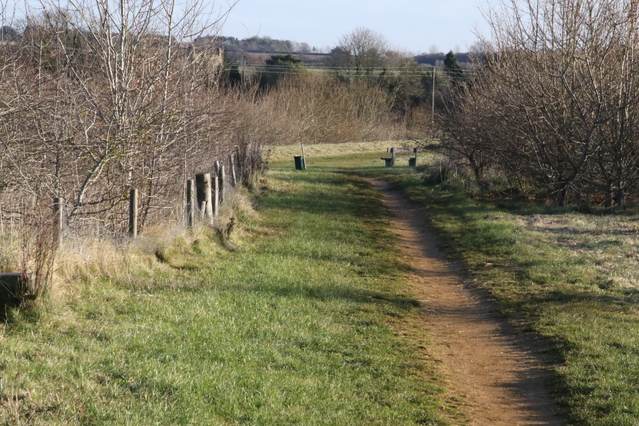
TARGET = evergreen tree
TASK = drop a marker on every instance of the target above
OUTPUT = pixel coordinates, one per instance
(452, 68)
(277, 67)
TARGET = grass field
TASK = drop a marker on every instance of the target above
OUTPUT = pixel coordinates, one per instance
(296, 320)
(302, 317)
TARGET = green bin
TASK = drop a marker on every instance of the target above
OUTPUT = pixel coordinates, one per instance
(299, 162)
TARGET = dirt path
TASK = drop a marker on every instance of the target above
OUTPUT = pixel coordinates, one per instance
(498, 382)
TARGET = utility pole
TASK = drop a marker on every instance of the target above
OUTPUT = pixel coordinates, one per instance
(433, 96)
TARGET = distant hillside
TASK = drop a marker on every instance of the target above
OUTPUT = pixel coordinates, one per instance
(266, 45)
(255, 50)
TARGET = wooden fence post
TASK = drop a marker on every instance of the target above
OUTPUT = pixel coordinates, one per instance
(232, 170)
(190, 208)
(238, 164)
(58, 214)
(222, 181)
(133, 213)
(216, 195)
(203, 188)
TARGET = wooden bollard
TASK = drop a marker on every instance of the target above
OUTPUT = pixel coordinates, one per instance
(190, 206)
(203, 189)
(133, 213)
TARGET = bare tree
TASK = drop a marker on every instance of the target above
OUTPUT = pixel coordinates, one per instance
(564, 71)
(138, 94)
(363, 49)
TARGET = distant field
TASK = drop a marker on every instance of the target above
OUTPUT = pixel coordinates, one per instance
(280, 153)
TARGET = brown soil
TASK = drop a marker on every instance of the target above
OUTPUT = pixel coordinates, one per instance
(491, 372)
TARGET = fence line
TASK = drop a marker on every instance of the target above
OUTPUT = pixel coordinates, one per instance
(119, 221)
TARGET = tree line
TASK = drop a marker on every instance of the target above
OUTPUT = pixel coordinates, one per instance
(265, 44)
(553, 106)
(362, 57)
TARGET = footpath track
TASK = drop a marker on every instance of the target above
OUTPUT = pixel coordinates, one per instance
(495, 377)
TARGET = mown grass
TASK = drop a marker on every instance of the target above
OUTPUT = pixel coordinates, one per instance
(572, 278)
(293, 325)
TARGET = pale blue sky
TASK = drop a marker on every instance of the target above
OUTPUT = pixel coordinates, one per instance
(409, 25)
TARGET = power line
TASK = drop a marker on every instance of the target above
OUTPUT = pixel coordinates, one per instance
(327, 67)
(358, 72)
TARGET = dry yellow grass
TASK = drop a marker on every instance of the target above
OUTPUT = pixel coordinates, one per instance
(84, 261)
